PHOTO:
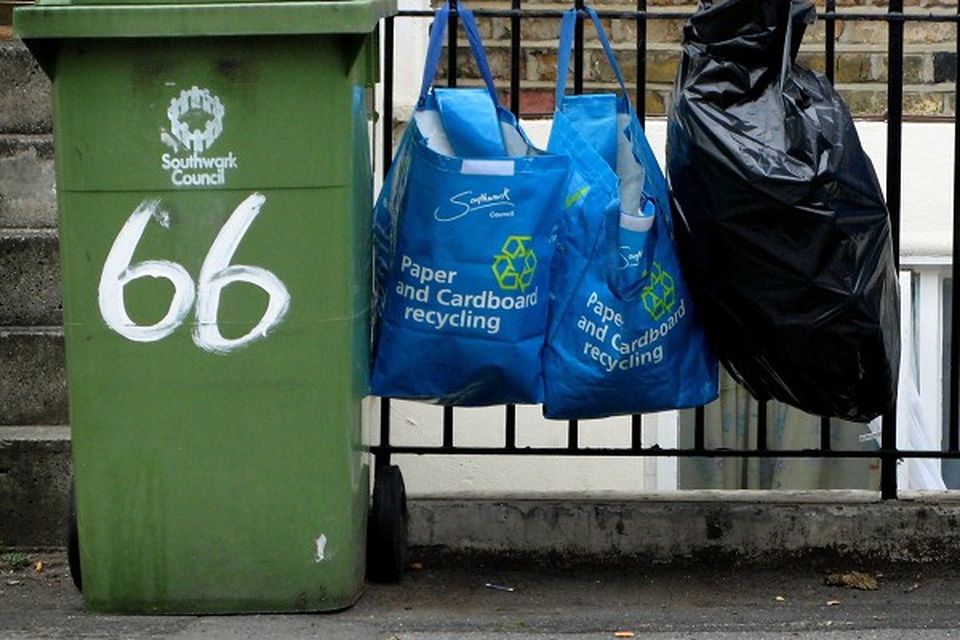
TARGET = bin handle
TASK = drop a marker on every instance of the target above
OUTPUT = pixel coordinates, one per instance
(436, 44)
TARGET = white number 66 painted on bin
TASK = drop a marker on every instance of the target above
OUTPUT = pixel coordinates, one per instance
(215, 274)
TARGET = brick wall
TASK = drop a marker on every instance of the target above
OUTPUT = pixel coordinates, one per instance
(861, 60)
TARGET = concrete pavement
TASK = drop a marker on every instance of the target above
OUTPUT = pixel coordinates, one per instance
(449, 599)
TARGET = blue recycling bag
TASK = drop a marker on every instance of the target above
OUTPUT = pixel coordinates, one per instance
(464, 234)
(623, 335)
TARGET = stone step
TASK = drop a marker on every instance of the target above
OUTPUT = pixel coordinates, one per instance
(25, 99)
(30, 279)
(33, 383)
(34, 478)
(27, 198)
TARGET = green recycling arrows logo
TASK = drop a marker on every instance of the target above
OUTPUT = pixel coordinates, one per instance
(516, 264)
(660, 295)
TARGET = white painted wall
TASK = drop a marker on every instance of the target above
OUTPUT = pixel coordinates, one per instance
(411, 37)
(420, 424)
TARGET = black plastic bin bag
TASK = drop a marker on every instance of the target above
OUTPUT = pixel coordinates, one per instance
(782, 227)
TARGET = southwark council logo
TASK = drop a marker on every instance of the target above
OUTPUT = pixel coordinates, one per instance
(196, 121)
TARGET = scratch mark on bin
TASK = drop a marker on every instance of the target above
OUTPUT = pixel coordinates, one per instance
(321, 543)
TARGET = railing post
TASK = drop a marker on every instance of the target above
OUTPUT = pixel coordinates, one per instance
(952, 396)
(640, 101)
(515, 59)
(452, 45)
(578, 50)
(888, 436)
(830, 41)
(382, 457)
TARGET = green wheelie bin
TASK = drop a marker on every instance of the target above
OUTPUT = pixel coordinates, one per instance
(214, 190)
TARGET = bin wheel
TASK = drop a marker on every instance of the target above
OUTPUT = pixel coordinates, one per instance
(73, 539)
(387, 531)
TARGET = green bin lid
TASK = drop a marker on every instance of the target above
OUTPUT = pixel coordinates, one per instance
(166, 18)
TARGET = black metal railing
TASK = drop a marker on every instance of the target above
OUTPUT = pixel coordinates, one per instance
(888, 454)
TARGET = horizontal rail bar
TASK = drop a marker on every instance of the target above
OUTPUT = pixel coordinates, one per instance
(683, 15)
(658, 452)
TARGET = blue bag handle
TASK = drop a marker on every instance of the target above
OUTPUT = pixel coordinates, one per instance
(436, 44)
(565, 50)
